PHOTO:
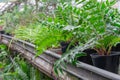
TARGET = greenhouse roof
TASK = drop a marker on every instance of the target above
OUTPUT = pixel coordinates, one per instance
(5, 4)
(6, 0)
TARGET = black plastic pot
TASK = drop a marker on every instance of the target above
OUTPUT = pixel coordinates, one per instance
(2, 32)
(87, 59)
(65, 45)
(107, 62)
(116, 48)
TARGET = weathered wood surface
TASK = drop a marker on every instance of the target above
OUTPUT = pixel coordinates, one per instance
(46, 60)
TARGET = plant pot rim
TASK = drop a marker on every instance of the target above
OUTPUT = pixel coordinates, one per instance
(113, 53)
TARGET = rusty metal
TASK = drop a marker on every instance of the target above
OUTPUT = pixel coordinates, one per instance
(45, 62)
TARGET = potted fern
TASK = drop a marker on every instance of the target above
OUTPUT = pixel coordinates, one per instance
(99, 29)
(105, 58)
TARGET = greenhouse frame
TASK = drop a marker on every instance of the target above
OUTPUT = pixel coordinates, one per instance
(59, 39)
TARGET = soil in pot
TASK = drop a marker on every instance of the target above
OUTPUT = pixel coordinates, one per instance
(87, 59)
(107, 62)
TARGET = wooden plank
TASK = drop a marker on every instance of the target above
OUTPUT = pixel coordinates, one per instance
(46, 61)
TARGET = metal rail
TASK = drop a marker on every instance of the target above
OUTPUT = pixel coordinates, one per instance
(45, 62)
(9, 6)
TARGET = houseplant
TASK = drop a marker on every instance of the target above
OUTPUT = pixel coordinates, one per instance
(105, 58)
(108, 58)
(99, 22)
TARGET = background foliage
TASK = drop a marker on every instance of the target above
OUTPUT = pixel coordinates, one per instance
(15, 67)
